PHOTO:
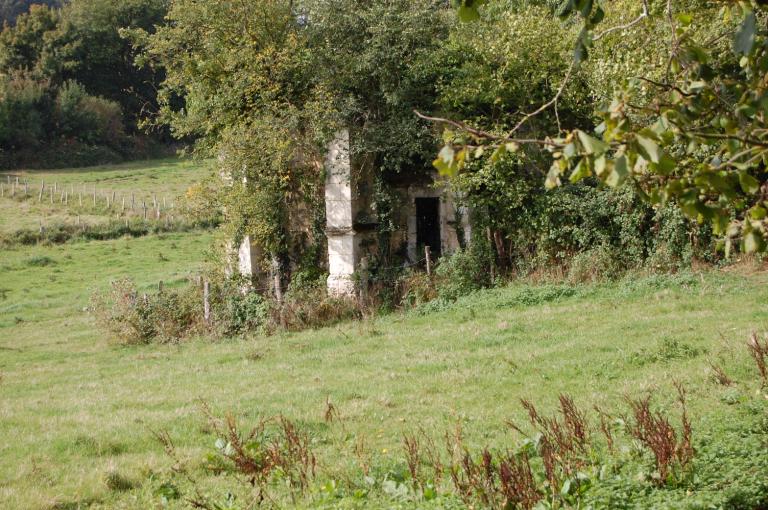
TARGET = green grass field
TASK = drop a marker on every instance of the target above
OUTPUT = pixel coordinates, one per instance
(76, 408)
(137, 182)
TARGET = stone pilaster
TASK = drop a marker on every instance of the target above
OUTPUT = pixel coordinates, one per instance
(340, 204)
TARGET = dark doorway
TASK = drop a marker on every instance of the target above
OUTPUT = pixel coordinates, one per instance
(428, 225)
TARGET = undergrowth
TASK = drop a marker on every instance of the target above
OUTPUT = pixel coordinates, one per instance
(648, 456)
(64, 233)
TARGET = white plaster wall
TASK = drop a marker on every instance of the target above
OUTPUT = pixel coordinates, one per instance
(247, 258)
(342, 254)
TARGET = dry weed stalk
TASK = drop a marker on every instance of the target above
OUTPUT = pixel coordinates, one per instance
(198, 500)
(412, 449)
(506, 483)
(605, 427)
(685, 449)
(719, 375)
(564, 444)
(420, 453)
(759, 351)
(331, 413)
(363, 455)
(518, 484)
(654, 431)
(257, 455)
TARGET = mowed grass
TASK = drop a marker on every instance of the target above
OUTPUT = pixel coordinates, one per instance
(76, 406)
(164, 179)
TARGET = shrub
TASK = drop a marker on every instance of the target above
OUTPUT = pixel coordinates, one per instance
(313, 308)
(23, 107)
(244, 312)
(595, 264)
(88, 119)
(39, 261)
(415, 288)
(164, 316)
(463, 272)
(174, 314)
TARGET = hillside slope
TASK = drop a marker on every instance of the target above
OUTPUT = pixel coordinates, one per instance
(82, 410)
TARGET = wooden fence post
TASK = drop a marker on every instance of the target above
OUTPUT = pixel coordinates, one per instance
(206, 302)
(42, 189)
(493, 261)
(364, 280)
(428, 255)
(277, 278)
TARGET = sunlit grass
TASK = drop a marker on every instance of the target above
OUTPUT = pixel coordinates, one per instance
(78, 408)
(138, 182)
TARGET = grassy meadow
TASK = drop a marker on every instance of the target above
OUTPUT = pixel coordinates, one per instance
(78, 411)
(139, 182)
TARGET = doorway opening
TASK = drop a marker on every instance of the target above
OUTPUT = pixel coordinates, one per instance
(428, 225)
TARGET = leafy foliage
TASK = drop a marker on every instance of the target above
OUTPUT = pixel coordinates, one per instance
(692, 137)
(57, 60)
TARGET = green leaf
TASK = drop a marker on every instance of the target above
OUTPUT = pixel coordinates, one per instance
(758, 213)
(753, 242)
(748, 183)
(592, 145)
(684, 18)
(580, 52)
(745, 37)
(553, 176)
(597, 17)
(446, 162)
(565, 490)
(499, 153)
(620, 172)
(665, 166)
(602, 165)
(581, 171)
(649, 149)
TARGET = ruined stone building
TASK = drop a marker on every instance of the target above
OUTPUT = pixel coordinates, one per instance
(427, 215)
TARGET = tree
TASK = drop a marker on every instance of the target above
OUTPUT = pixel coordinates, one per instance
(11, 9)
(695, 136)
(266, 85)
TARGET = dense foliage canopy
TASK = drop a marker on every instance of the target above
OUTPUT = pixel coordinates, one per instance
(686, 126)
(70, 90)
(11, 9)
(265, 86)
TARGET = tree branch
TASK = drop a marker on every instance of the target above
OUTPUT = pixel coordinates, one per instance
(644, 14)
(485, 135)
